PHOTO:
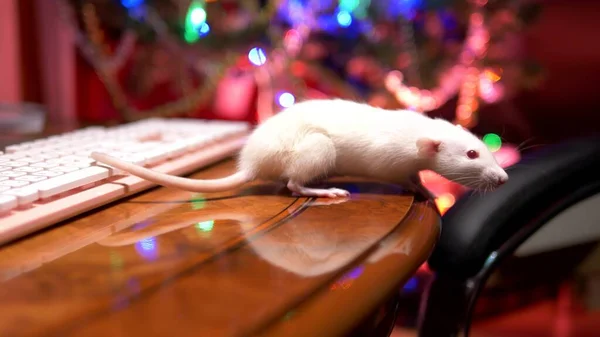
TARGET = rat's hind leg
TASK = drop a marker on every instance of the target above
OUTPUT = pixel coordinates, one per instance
(313, 158)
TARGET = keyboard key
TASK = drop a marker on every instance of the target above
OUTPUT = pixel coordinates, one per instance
(32, 152)
(79, 164)
(47, 173)
(84, 153)
(136, 147)
(128, 157)
(77, 159)
(31, 159)
(56, 161)
(25, 195)
(155, 156)
(118, 154)
(28, 169)
(15, 156)
(69, 181)
(45, 156)
(177, 148)
(12, 174)
(197, 141)
(32, 178)
(15, 163)
(8, 202)
(14, 183)
(44, 165)
(15, 148)
(63, 152)
(64, 168)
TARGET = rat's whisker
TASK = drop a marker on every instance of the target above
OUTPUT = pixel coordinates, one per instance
(465, 179)
(459, 175)
(531, 147)
(474, 177)
(523, 143)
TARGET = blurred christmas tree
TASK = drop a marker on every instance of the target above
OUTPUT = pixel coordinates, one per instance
(415, 54)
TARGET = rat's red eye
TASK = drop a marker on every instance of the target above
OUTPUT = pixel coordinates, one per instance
(472, 154)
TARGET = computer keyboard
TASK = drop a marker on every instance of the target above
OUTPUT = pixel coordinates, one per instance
(45, 181)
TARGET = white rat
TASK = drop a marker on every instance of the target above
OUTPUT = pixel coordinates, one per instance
(316, 139)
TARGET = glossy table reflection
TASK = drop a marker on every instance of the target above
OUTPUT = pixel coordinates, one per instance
(256, 261)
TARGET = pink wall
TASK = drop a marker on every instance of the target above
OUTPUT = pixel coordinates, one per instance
(10, 67)
(58, 50)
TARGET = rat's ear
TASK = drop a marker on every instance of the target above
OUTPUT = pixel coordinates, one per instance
(428, 147)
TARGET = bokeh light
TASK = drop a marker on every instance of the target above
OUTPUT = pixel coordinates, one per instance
(492, 141)
(344, 19)
(257, 56)
(444, 202)
(198, 201)
(286, 99)
(147, 247)
(349, 5)
(204, 29)
(205, 226)
(197, 16)
(131, 3)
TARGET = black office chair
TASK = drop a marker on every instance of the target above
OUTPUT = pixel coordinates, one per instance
(480, 231)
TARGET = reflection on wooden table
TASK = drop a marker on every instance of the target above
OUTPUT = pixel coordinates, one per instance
(256, 261)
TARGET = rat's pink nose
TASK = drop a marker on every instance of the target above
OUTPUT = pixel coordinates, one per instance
(501, 181)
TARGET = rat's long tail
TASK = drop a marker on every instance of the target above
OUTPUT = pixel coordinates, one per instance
(192, 185)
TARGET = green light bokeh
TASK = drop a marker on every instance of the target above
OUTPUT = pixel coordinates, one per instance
(205, 226)
(492, 141)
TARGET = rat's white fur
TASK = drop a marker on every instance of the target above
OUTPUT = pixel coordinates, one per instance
(316, 139)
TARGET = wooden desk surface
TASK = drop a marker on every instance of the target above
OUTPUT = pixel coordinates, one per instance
(251, 262)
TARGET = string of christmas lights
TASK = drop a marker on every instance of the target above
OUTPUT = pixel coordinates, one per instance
(97, 53)
(199, 96)
(462, 78)
(101, 57)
